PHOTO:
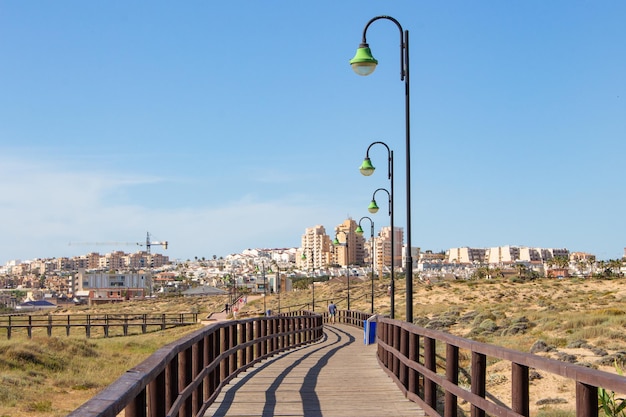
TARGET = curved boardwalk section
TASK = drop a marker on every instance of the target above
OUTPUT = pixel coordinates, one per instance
(336, 377)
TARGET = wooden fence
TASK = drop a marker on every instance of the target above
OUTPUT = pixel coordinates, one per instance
(185, 377)
(409, 354)
(103, 323)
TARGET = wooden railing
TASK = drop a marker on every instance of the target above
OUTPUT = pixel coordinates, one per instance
(409, 355)
(185, 377)
(93, 322)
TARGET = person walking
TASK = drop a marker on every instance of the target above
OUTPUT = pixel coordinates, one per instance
(332, 312)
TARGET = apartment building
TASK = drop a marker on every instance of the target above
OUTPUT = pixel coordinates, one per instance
(354, 252)
(382, 258)
(316, 249)
(503, 255)
(111, 286)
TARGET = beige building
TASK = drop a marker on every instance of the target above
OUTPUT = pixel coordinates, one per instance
(315, 246)
(354, 252)
(383, 248)
(503, 254)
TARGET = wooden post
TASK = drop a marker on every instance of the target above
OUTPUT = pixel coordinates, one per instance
(520, 397)
(137, 407)
(452, 375)
(414, 355)
(404, 349)
(586, 400)
(156, 393)
(430, 362)
(479, 379)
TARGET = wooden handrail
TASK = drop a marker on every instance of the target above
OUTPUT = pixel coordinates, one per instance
(408, 354)
(94, 321)
(185, 377)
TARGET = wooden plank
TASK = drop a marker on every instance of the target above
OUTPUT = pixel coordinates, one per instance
(337, 377)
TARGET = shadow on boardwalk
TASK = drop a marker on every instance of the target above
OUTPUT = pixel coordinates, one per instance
(338, 376)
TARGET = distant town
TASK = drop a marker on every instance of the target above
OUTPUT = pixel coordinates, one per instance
(117, 276)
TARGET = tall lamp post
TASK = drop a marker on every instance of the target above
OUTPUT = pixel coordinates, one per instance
(278, 288)
(337, 243)
(367, 169)
(310, 250)
(364, 63)
(359, 230)
(264, 286)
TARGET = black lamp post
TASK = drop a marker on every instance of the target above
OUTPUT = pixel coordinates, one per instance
(364, 63)
(264, 286)
(359, 230)
(337, 243)
(278, 288)
(367, 169)
(310, 250)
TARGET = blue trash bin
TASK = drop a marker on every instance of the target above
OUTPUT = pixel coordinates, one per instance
(369, 330)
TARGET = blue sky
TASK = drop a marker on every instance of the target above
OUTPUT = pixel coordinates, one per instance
(221, 126)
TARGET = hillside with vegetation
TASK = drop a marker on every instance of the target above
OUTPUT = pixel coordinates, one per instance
(574, 320)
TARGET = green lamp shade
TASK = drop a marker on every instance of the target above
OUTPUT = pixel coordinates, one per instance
(359, 230)
(366, 167)
(336, 241)
(363, 62)
(303, 256)
(373, 207)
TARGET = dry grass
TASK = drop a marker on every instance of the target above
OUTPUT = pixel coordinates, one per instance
(51, 376)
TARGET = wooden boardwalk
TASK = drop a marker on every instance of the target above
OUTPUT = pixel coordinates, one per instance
(337, 377)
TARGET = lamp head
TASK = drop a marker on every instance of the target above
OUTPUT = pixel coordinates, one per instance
(366, 167)
(373, 207)
(363, 62)
(359, 230)
(303, 256)
(335, 241)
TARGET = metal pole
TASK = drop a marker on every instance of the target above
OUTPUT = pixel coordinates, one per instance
(404, 76)
(264, 290)
(409, 256)
(393, 232)
(372, 261)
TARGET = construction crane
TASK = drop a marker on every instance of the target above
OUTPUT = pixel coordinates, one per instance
(148, 243)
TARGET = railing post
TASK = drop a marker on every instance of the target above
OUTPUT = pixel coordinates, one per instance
(430, 362)
(156, 393)
(232, 342)
(263, 323)
(452, 375)
(241, 339)
(520, 389)
(207, 358)
(414, 355)
(250, 337)
(224, 366)
(137, 407)
(197, 356)
(185, 376)
(479, 379)
(404, 348)
(49, 325)
(586, 400)
(298, 335)
(171, 383)
(396, 345)
(215, 343)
